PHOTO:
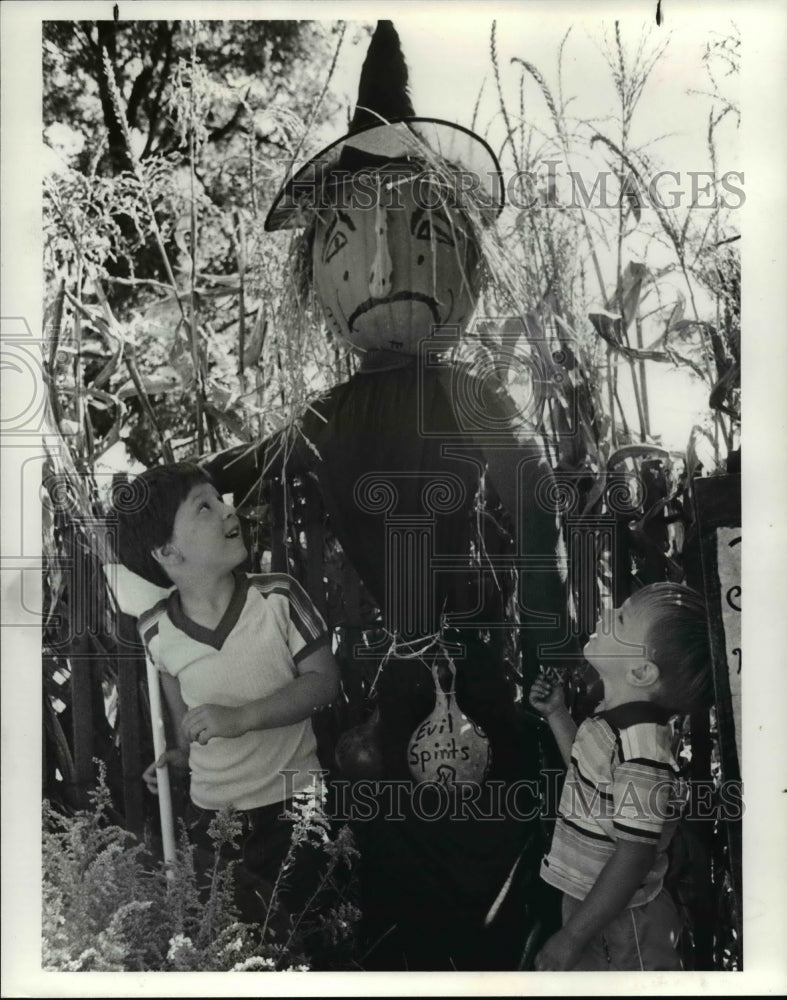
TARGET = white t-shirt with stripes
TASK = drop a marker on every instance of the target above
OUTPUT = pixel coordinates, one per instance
(269, 626)
(622, 784)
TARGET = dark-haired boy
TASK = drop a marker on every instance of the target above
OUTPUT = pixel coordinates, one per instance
(618, 810)
(244, 660)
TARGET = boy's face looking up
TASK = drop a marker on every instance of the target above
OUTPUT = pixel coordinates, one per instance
(206, 537)
(618, 650)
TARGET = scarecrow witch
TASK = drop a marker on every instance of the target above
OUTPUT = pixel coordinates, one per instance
(436, 496)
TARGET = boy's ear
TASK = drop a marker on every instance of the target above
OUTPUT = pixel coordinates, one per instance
(167, 555)
(644, 674)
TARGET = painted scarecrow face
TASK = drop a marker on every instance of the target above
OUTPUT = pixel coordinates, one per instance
(392, 262)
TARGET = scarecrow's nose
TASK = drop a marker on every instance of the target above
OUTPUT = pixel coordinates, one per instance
(382, 265)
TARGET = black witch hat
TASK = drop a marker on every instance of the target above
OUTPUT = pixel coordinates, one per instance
(386, 130)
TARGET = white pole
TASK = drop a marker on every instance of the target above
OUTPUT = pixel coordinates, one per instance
(159, 747)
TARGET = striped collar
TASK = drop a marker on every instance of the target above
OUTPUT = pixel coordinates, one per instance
(211, 637)
(633, 713)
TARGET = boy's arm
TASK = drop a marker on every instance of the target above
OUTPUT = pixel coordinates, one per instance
(547, 698)
(316, 685)
(564, 729)
(619, 880)
(176, 706)
(177, 756)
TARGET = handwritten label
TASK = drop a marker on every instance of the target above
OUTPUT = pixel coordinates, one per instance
(728, 545)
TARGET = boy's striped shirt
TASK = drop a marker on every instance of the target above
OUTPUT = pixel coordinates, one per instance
(268, 628)
(621, 784)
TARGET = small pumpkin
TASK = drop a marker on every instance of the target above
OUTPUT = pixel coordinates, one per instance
(392, 264)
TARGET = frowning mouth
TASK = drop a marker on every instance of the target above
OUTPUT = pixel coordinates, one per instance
(427, 300)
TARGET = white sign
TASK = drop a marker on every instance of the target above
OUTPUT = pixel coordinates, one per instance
(728, 543)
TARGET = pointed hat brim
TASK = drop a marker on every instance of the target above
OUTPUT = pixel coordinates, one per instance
(413, 139)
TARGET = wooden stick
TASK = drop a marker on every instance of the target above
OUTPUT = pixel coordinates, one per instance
(502, 894)
(162, 773)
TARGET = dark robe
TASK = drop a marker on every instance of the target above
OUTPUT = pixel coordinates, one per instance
(402, 453)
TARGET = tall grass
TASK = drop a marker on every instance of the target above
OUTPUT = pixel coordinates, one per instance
(178, 327)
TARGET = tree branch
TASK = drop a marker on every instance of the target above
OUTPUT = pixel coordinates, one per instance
(154, 110)
(224, 130)
(138, 88)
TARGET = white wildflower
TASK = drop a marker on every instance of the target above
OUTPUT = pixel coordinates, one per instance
(308, 813)
(256, 963)
(235, 945)
(88, 956)
(177, 944)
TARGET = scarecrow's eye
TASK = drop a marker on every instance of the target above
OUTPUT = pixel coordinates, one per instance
(433, 228)
(336, 243)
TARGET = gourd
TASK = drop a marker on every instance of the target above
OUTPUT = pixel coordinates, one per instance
(358, 752)
(448, 747)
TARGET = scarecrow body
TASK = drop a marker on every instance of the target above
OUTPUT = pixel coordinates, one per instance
(431, 490)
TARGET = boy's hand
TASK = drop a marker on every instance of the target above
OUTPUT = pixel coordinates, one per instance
(202, 723)
(546, 697)
(559, 954)
(177, 758)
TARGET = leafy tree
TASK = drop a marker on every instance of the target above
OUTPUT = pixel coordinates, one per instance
(175, 136)
(265, 62)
